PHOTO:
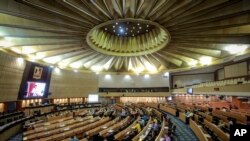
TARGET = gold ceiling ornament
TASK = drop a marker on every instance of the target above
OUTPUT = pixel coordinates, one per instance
(83, 35)
(120, 43)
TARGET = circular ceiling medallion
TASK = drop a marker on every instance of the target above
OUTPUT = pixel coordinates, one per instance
(128, 37)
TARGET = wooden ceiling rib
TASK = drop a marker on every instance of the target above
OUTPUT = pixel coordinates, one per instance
(60, 27)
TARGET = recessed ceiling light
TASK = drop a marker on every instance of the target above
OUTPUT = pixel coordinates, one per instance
(116, 23)
(140, 27)
(121, 30)
(146, 30)
(138, 24)
(113, 26)
(205, 60)
(107, 76)
(133, 27)
(20, 60)
(147, 25)
(57, 70)
(75, 70)
(120, 27)
(126, 28)
(166, 74)
(146, 76)
(233, 49)
(113, 30)
(106, 28)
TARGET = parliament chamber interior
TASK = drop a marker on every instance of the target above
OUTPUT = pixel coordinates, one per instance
(124, 70)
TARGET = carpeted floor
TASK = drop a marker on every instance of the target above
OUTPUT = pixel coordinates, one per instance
(17, 137)
(183, 131)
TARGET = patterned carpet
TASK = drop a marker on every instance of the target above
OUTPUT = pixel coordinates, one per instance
(17, 137)
(183, 132)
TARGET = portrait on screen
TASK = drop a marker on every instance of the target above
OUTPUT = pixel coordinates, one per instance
(35, 89)
(37, 72)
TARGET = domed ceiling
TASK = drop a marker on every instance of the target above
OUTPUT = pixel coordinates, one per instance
(125, 36)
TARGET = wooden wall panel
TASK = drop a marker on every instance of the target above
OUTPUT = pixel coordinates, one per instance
(11, 73)
(70, 84)
(236, 70)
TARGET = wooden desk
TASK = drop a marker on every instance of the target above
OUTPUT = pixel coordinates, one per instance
(136, 138)
(97, 129)
(182, 117)
(158, 138)
(114, 127)
(222, 135)
(240, 119)
(168, 110)
(119, 136)
(198, 132)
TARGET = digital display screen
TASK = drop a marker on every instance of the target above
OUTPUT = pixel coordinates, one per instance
(35, 89)
(189, 90)
(93, 98)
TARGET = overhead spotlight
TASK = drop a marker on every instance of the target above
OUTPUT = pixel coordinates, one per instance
(205, 60)
(138, 23)
(20, 60)
(146, 76)
(57, 70)
(133, 27)
(233, 49)
(106, 28)
(121, 30)
(116, 23)
(127, 76)
(113, 26)
(107, 76)
(146, 30)
(140, 27)
(147, 25)
(113, 30)
(166, 74)
(75, 70)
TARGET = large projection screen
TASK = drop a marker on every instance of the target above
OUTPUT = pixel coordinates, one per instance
(93, 98)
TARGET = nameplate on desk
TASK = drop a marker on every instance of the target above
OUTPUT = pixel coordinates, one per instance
(239, 132)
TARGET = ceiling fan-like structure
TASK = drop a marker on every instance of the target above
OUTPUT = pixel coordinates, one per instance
(125, 36)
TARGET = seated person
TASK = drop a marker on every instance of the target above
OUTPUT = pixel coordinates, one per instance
(137, 127)
(221, 124)
(155, 127)
(74, 138)
(167, 137)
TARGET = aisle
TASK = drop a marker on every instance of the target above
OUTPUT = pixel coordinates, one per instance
(183, 132)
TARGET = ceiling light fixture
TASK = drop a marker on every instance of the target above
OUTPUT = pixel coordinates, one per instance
(205, 60)
(234, 49)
